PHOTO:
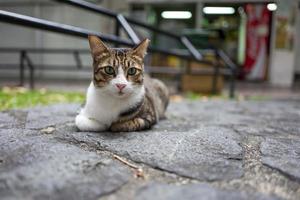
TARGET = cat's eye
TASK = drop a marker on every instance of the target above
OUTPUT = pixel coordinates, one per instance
(131, 71)
(109, 70)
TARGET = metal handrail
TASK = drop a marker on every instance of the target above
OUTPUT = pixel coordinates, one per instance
(227, 60)
(43, 24)
(128, 29)
(23, 20)
(232, 66)
(43, 50)
(100, 10)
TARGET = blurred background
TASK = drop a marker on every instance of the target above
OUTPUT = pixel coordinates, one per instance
(237, 48)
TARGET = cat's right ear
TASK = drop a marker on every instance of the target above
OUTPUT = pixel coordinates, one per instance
(97, 47)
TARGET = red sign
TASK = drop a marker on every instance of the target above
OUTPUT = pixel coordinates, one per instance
(258, 32)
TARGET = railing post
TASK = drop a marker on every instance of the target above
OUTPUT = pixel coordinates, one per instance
(22, 56)
(31, 71)
(216, 73)
(232, 84)
(233, 68)
(77, 60)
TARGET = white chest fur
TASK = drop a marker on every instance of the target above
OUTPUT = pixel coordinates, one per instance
(102, 109)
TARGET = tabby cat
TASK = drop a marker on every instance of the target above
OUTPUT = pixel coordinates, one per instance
(120, 97)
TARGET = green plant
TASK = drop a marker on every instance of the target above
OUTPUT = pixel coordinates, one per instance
(11, 98)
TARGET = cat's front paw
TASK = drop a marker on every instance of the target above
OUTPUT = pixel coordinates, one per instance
(84, 123)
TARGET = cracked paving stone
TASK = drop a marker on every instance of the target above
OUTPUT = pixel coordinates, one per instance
(201, 144)
(42, 117)
(204, 153)
(282, 154)
(210, 113)
(193, 191)
(12, 119)
(199, 140)
(35, 166)
(247, 113)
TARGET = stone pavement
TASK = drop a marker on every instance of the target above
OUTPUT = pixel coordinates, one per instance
(205, 150)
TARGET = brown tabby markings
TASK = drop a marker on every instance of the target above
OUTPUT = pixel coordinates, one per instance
(115, 58)
(148, 112)
(153, 106)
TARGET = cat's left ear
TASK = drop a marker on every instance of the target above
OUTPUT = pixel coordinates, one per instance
(141, 49)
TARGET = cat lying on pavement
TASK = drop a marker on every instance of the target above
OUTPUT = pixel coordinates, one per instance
(120, 97)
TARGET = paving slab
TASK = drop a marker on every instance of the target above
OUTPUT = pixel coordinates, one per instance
(192, 192)
(41, 117)
(34, 166)
(206, 144)
(205, 153)
(282, 154)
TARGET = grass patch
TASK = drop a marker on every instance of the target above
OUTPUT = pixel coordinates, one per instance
(11, 98)
(197, 96)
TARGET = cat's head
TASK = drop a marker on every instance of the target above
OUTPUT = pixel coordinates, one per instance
(118, 71)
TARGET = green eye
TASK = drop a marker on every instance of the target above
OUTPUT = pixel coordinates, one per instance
(109, 70)
(131, 71)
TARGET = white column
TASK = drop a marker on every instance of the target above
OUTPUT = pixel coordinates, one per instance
(283, 60)
(297, 42)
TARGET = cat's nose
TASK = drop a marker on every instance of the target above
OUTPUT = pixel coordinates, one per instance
(120, 86)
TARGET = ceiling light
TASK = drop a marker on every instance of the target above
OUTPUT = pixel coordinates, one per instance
(272, 6)
(219, 10)
(176, 14)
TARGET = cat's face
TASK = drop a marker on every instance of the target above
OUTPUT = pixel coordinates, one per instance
(118, 72)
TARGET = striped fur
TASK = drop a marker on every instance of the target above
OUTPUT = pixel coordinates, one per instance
(119, 57)
(138, 105)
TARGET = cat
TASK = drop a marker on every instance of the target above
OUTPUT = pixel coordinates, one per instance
(121, 97)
